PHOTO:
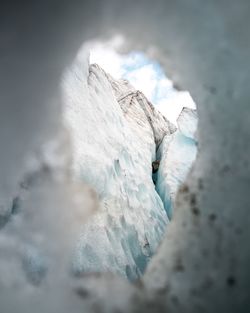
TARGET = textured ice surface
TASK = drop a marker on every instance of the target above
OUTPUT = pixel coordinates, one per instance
(177, 154)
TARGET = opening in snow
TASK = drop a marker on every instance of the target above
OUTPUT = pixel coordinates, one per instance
(134, 142)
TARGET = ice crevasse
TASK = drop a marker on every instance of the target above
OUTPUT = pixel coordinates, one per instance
(116, 135)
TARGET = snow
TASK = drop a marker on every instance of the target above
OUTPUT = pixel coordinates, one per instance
(199, 45)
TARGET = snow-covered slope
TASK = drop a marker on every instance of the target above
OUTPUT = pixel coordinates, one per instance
(115, 132)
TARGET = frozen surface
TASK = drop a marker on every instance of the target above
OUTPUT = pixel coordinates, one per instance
(177, 154)
(203, 262)
(177, 159)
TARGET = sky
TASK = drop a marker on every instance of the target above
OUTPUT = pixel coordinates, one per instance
(144, 74)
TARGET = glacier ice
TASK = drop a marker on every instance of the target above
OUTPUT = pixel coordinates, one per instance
(187, 123)
(177, 154)
(115, 132)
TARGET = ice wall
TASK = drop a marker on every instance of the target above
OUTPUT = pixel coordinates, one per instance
(203, 264)
(177, 154)
(114, 132)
